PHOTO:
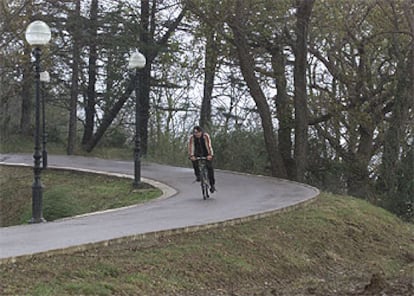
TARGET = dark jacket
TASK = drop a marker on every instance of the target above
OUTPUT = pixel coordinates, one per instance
(200, 147)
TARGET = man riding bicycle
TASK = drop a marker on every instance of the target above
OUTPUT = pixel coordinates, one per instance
(199, 145)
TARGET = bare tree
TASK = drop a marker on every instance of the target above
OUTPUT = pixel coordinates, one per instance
(150, 45)
(209, 73)
(93, 57)
(304, 10)
(238, 26)
(74, 90)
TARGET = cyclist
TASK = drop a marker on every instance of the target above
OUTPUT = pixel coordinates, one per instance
(199, 145)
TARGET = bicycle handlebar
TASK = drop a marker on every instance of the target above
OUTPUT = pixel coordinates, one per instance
(201, 158)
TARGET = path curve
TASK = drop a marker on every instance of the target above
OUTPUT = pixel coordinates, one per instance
(181, 208)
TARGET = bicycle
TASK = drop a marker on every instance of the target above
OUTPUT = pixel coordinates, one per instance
(204, 181)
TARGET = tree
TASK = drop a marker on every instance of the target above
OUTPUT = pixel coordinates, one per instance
(397, 158)
(151, 45)
(238, 27)
(253, 30)
(304, 10)
(27, 82)
(11, 64)
(357, 57)
(74, 90)
(209, 73)
(93, 57)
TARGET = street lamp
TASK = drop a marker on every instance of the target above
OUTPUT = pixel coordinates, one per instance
(44, 78)
(37, 34)
(137, 61)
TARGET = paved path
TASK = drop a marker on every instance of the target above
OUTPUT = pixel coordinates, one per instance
(238, 196)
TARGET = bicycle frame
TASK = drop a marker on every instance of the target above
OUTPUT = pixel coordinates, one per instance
(204, 181)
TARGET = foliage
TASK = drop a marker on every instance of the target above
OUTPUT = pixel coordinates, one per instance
(400, 198)
(169, 149)
(324, 171)
(115, 138)
(241, 151)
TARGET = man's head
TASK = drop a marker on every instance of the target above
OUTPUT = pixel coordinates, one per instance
(197, 131)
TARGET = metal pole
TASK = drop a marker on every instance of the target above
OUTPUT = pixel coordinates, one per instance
(37, 213)
(137, 150)
(44, 136)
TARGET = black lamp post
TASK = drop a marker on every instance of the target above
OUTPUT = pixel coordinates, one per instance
(137, 61)
(44, 78)
(37, 34)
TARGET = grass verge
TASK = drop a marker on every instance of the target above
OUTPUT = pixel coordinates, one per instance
(335, 246)
(65, 193)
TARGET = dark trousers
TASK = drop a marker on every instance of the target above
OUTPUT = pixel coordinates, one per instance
(210, 171)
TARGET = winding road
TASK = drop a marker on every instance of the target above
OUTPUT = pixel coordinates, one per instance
(181, 208)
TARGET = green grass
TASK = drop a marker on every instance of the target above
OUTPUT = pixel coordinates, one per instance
(336, 245)
(65, 193)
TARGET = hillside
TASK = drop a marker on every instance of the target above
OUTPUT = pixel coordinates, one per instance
(336, 245)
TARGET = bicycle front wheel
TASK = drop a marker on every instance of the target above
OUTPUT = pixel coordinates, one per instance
(204, 184)
(204, 190)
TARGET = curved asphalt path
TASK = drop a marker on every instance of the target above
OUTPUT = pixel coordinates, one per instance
(239, 197)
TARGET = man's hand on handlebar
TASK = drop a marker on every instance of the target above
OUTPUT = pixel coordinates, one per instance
(194, 158)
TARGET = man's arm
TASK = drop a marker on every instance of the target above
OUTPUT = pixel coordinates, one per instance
(209, 147)
(191, 147)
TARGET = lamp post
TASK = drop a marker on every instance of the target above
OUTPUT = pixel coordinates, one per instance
(137, 61)
(44, 78)
(37, 34)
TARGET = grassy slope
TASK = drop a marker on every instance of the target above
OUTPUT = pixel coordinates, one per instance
(334, 246)
(65, 193)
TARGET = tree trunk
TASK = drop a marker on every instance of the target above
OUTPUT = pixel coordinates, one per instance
(209, 73)
(358, 175)
(74, 91)
(27, 95)
(93, 56)
(303, 14)
(146, 75)
(284, 111)
(145, 107)
(27, 90)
